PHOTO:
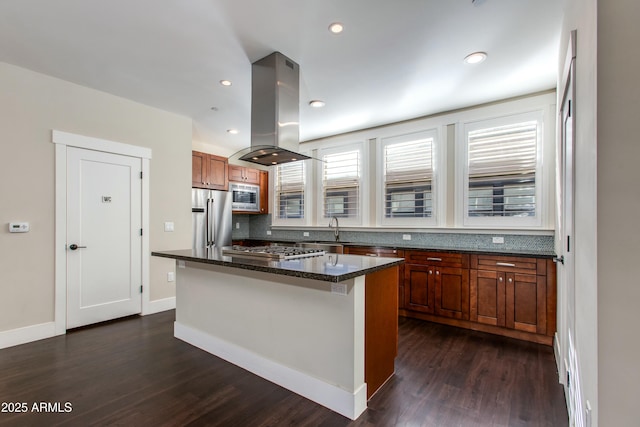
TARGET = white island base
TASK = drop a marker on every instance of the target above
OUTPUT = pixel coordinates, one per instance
(295, 332)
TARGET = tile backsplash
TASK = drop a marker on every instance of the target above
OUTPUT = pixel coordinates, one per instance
(256, 226)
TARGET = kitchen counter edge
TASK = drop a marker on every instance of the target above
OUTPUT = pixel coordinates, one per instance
(274, 267)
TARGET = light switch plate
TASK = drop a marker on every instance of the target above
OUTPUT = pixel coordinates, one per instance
(171, 276)
(18, 227)
(168, 226)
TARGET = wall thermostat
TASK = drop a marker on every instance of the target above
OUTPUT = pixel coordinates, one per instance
(18, 227)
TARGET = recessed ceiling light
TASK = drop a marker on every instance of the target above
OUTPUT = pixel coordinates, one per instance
(232, 131)
(316, 103)
(475, 58)
(336, 28)
(225, 82)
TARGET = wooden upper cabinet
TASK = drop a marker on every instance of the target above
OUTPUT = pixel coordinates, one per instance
(218, 173)
(244, 175)
(209, 171)
(264, 191)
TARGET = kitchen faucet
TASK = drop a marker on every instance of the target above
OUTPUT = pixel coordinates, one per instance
(336, 231)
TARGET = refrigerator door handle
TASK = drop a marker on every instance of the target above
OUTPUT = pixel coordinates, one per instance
(212, 226)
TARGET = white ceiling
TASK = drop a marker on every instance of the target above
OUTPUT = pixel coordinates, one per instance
(395, 59)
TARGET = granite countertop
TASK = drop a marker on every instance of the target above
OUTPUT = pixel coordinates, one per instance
(327, 268)
(436, 248)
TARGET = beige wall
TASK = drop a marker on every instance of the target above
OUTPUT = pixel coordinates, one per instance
(31, 106)
(607, 233)
(618, 151)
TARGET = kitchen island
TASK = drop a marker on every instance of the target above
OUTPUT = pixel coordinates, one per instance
(324, 327)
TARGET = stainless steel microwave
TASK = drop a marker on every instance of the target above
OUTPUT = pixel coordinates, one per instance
(245, 197)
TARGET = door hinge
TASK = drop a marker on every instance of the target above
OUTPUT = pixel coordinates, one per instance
(141, 231)
(140, 174)
(140, 288)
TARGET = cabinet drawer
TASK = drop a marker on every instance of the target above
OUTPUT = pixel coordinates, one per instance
(504, 263)
(437, 258)
(375, 252)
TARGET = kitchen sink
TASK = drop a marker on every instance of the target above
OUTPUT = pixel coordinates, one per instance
(329, 247)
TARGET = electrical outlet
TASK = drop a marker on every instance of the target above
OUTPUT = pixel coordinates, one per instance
(168, 226)
(268, 232)
(339, 288)
(171, 276)
(406, 237)
(498, 239)
(237, 226)
(305, 233)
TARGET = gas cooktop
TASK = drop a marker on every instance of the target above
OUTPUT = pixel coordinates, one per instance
(272, 252)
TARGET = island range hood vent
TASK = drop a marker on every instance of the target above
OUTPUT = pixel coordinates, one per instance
(275, 108)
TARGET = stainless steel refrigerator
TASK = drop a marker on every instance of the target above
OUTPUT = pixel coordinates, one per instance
(211, 212)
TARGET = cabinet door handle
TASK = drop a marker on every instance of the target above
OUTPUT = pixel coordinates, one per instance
(372, 254)
(510, 280)
(500, 279)
(505, 264)
(437, 273)
(430, 272)
(434, 259)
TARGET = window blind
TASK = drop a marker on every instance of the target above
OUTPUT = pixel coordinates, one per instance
(502, 165)
(408, 175)
(341, 174)
(289, 190)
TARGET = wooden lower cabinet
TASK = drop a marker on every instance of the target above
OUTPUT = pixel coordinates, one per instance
(419, 288)
(511, 296)
(437, 283)
(487, 297)
(452, 292)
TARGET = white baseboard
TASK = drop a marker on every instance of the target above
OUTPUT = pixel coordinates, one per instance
(32, 333)
(346, 403)
(27, 334)
(558, 357)
(159, 305)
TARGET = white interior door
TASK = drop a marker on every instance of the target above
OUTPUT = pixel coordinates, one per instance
(104, 248)
(570, 376)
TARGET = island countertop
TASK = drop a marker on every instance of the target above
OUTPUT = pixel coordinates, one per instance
(328, 267)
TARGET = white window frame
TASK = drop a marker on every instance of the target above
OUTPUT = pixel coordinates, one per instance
(362, 216)
(307, 194)
(436, 193)
(462, 191)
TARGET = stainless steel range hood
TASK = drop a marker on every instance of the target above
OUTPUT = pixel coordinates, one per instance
(275, 127)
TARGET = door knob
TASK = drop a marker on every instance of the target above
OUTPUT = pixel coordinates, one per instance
(73, 247)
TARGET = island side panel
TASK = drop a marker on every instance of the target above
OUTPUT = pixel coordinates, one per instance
(381, 327)
(296, 323)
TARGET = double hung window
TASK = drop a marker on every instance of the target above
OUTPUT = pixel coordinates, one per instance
(341, 178)
(408, 178)
(502, 171)
(289, 192)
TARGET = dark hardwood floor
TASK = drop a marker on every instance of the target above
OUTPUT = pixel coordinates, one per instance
(132, 372)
